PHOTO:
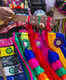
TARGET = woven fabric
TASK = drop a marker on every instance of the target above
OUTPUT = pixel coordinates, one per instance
(9, 59)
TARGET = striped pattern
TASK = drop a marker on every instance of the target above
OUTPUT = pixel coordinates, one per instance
(8, 64)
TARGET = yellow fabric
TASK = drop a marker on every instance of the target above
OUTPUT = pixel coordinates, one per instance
(4, 53)
(24, 35)
(51, 38)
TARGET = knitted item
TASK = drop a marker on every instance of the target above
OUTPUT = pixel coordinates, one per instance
(8, 55)
(56, 42)
(31, 75)
(55, 63)
(30, 55)
(39, 54)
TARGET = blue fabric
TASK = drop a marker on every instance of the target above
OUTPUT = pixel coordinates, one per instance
(29, 54)
(64, 51)
(61, 36)
(21, 64)
(52, 56)
(15, 77)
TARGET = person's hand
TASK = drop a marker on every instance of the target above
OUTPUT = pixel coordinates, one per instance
(7, 9)
(5, 13)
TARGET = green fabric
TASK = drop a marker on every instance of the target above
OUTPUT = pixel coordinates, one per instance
(38, 70)
(28, 43)
(21, 41)
(54, 29)
(61, 71)
(20, 49)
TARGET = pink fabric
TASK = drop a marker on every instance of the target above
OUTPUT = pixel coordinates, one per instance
(56, 65)
(23, 31)
(45, 46)
(6, 42)
(33, 63)
(22, 57)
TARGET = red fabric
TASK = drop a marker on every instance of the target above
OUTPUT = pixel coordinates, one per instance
(38, 53)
